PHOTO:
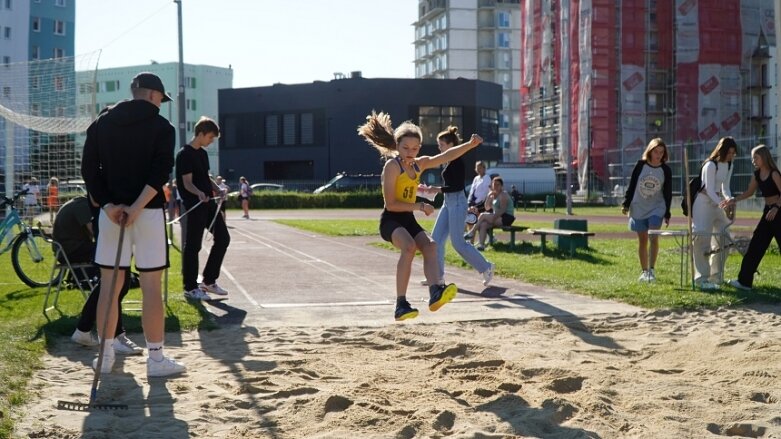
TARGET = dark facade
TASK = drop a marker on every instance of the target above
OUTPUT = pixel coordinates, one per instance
(308, 131)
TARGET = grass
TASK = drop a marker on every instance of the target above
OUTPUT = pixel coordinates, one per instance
(608, 269)
(25, 334)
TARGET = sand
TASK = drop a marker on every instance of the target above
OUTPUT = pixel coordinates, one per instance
(646, 375)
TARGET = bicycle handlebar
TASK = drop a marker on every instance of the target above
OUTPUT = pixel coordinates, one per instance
(10, 201)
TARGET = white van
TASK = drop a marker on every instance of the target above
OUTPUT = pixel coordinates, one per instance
(528, 179)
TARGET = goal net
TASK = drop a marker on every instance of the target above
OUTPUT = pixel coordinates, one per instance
(45, 107)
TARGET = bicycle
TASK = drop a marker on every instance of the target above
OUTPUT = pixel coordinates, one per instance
(31, 262)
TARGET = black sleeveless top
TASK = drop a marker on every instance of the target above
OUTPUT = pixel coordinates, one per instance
(453, 176)
(768, 186)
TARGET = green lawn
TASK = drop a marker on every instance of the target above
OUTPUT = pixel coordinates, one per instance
(25, 333)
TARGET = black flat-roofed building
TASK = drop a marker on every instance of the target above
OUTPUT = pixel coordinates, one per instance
(308, 131)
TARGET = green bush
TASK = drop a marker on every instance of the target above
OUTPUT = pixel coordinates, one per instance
(300, 200)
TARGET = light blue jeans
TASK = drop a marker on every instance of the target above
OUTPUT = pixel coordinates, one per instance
(450, 222)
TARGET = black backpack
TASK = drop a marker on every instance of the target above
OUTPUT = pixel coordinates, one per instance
(695, 186)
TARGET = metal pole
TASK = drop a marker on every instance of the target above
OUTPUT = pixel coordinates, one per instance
(180, 98)
(9, 158)
(564, 100)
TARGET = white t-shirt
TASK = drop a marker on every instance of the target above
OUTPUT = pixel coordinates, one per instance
(480, 188)
(31, 199)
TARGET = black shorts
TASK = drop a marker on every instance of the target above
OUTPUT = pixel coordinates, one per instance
(390, 221)
(507, 219)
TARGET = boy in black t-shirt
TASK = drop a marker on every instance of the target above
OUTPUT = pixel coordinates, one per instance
(195, 185)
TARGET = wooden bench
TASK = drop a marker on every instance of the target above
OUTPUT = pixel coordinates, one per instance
(543, 233)
(511, 229)
(535, 204)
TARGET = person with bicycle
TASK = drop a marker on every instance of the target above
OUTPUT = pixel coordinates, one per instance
(196, 188)
(127, 158)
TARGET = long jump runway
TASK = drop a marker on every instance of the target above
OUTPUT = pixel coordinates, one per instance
(282, 276)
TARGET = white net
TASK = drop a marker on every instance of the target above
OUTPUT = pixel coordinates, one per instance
(44, 106)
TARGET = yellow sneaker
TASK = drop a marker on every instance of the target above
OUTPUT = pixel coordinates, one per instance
(440, 295)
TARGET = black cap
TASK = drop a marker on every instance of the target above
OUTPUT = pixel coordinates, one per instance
(150, 81)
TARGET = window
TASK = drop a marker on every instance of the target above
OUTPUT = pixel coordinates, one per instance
(7, 4)
(36, 52)
(307, 128)
(111, 85)
(36, 24)
(35, 82)
(433, 120)
(7, 33)
(489, 126)
(503, 19)
(503, 39)
(60, 3)
(7, 61)
(35, 109)
(59, 27)
(6, 92)
(190, 104)
(272, 130)
(58, 53)
(59, 83)
(289, 129)
(189, 82)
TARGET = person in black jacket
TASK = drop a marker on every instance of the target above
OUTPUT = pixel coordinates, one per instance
(647, 201)
(127, 158)
(196, 188)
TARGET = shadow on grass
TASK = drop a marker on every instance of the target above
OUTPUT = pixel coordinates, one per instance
(588, 254)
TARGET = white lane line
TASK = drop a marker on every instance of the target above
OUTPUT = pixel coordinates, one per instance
(239, 287)
(309, 259)
(388, 302)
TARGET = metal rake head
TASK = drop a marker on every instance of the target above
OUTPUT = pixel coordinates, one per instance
(82, 407)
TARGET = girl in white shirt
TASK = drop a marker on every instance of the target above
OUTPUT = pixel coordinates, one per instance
(708, 219)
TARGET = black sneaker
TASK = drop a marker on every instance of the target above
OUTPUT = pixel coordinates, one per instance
(440, 295)
(405, 311)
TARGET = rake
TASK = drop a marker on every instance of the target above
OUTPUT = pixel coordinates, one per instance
(92, 405)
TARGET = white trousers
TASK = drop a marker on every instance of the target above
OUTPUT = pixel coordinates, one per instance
(708, 223)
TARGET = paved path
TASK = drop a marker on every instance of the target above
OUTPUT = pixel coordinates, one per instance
(283, 276)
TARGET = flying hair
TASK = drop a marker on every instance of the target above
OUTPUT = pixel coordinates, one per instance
(378, 132)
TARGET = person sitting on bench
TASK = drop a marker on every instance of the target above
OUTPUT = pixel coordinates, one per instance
(502, 212)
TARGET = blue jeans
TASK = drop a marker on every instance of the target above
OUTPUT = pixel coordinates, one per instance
(450, 222)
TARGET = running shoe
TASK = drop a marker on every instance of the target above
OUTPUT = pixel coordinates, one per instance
(488, 275)
(405, 311)
(167, 366)
(213, 289)
(108, 363)
(440, 295)
(196, 294)
(736, 284)
(125, 346)
(85, 338)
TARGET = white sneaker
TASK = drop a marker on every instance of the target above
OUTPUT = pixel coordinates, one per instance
(651, 275)
(708, 286)
(85, 338)
(214, 289)
(196, 294)
(643, 277)
(168, 366)
(488, 275)
(108, 364)
(125, 346)
(736, 284)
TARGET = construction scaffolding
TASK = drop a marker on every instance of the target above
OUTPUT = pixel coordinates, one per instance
(686, 71)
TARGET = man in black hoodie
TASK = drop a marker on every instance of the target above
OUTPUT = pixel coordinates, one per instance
(128, 156)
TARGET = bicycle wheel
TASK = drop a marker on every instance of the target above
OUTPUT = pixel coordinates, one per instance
(32, 258)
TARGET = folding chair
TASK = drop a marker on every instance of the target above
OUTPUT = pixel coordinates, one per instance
(61, 268)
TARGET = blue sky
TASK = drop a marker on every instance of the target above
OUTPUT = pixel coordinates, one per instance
(265, 41)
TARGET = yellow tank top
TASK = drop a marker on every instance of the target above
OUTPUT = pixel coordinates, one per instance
(406, 187)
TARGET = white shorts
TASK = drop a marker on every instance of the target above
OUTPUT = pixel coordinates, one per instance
(145, 239)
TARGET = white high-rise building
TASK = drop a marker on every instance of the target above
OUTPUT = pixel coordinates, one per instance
(201, 85)
(475, 39)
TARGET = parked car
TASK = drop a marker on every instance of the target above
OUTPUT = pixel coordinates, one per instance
(258, 187)
(347, 183)
(70, 189)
